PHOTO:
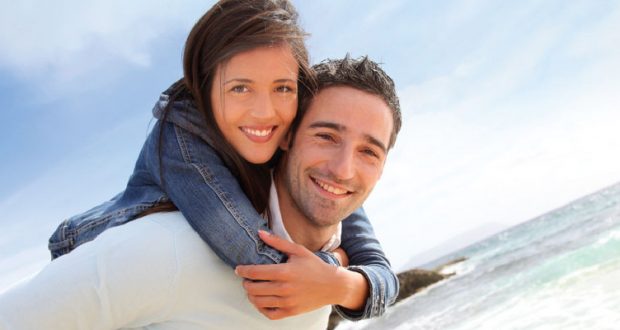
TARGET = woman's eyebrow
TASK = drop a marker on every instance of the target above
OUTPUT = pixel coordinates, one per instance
(238, 80)
(283, 80)
(247, 81)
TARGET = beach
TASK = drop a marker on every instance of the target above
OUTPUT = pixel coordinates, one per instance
(557, 271)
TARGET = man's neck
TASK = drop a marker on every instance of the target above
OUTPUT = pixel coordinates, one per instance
(301, 229)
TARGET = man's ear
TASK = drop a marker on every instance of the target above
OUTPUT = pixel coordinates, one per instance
(284, 144)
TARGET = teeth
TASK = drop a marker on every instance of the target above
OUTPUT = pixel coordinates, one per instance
(333, 190)
(257, 132)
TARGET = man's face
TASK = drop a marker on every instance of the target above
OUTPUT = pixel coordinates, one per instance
(338, 154)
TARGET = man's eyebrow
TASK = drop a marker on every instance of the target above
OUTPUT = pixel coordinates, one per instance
(328, 124)
(341, 128)
(372, 140)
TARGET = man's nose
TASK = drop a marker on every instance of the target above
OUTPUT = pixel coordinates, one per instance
(263, 107)
(342, 165)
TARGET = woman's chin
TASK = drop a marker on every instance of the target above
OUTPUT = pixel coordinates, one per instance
(259, 158)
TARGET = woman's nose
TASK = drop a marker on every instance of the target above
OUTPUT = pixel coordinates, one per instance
(263, 107)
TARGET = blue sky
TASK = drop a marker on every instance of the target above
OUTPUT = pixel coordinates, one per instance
(510, 107)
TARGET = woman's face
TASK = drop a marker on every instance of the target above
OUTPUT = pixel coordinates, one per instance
(254, 100)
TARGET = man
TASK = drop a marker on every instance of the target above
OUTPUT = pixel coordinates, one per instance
(157, 272)
(334, 158)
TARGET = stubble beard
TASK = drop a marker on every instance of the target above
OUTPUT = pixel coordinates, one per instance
(319, 211)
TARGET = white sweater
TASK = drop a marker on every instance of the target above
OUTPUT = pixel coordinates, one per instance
(152, 273)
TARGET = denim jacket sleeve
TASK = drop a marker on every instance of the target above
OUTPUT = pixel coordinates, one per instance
(367, 258)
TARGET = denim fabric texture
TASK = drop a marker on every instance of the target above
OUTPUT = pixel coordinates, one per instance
(214, 204)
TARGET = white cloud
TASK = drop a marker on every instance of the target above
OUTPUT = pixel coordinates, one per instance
(601, 39)
(63, 41)
(380, 11)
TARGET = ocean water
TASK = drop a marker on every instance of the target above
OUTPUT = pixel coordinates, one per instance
(558, 271)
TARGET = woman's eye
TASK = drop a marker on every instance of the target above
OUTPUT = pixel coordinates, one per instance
(239, 89)
(284, 89)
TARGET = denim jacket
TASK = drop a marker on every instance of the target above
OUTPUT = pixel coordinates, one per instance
(209, 196)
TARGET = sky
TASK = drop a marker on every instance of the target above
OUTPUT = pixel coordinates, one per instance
(510, 109)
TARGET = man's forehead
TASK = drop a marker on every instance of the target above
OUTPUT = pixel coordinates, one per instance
(349, 109)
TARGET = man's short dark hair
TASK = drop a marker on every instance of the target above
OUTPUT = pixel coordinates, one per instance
(362, 74)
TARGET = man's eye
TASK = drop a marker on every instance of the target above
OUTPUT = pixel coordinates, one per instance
(325, 137)
(370, 153)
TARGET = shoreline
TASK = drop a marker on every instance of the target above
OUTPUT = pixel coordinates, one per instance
(411, 282)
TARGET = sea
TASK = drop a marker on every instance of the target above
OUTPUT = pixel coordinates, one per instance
(558, 271)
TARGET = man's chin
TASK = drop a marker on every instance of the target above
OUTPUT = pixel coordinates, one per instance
(323, 220)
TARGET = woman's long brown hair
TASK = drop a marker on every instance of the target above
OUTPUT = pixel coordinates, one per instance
(229, 28)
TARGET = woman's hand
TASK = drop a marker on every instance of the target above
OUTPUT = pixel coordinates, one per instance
(302, 284)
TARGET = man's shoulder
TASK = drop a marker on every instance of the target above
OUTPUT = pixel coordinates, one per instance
(156, 224)
(152, 241)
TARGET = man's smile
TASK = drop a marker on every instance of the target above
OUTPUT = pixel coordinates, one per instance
(330, 188)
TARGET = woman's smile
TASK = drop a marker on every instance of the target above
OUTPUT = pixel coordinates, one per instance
(259, 134)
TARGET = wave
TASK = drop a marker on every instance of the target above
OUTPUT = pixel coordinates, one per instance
(601, 251)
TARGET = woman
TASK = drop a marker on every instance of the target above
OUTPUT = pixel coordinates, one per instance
(214, 168)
